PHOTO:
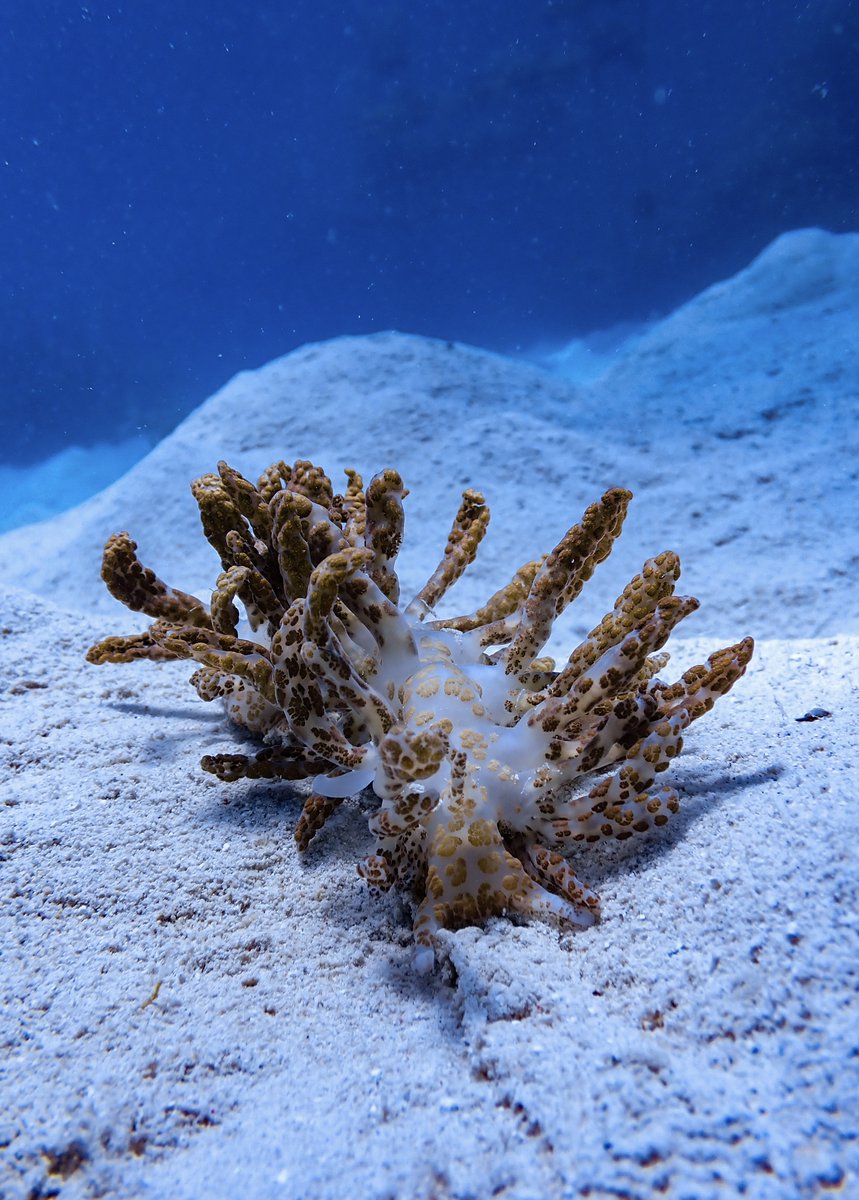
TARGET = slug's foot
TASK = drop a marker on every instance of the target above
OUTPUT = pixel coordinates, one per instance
(511, 889)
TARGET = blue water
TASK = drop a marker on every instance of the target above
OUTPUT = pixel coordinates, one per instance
(189, 189)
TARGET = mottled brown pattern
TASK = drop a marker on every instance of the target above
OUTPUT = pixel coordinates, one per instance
(488, 763)
(140, 589)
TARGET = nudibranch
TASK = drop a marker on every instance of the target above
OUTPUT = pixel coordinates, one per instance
(490, 762)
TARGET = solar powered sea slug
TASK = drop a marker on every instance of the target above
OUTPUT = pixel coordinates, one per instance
(490, 763)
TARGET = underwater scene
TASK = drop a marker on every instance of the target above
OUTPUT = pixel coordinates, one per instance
(186, 197)
(429, 650)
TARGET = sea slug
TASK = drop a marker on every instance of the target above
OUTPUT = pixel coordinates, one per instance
(490, 763)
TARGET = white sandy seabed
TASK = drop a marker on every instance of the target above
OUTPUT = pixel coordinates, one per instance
(191, 1010)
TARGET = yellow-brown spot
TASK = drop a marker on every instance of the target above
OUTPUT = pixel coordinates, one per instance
(481, 833)
(456, 872)
(447, 845)
(435, 887)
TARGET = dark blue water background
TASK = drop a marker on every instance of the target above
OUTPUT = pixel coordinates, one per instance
(192, 188)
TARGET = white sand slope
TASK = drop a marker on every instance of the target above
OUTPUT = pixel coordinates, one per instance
(190, 1009)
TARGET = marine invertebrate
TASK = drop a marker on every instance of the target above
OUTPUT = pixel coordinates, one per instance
(489, 762)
